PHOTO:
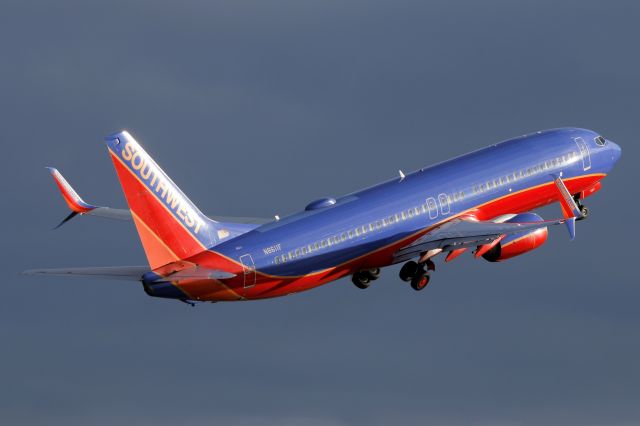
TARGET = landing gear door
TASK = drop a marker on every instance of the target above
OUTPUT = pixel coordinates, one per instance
(584, 153)
(248, 271)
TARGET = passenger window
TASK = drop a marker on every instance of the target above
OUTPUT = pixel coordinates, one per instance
(350, 234)
(410, 213)
(378, 224)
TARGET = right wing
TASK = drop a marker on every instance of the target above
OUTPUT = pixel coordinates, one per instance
(79, 207)
(462, 233)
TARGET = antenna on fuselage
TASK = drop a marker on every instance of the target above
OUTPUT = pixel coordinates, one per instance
(401, 175)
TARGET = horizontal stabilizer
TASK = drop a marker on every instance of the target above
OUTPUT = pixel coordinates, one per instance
(127, 273)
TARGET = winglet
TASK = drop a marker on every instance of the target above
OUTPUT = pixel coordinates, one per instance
(570, 209)
(71, 197)
(570, 223)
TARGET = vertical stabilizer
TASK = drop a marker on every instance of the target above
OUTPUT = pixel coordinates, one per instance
(170, 226)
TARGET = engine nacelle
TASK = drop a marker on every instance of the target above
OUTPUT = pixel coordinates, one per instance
(517, 244)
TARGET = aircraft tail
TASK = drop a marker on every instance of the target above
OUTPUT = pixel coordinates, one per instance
(170, 226)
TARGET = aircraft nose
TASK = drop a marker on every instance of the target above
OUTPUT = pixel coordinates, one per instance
(616, 151)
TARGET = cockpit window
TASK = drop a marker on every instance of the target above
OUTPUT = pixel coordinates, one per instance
(600, 140)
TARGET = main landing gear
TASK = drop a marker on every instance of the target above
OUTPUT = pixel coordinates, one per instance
(416, 274)
(362, 279)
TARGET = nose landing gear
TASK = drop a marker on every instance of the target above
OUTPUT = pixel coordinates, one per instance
(584, 211)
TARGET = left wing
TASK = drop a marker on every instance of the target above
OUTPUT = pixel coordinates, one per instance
(126, 273)
(79, 206)
(138, 273)
(461, 233)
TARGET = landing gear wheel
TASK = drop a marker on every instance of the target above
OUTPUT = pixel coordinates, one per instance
(360, 280)
(420, 281)
(408, 270)
(584, 212)
(372, 274)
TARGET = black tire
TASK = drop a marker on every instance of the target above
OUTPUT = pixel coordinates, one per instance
(360, 280)
(408, 270)
(420, 281)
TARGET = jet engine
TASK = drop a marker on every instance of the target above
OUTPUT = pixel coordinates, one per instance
(517, 244)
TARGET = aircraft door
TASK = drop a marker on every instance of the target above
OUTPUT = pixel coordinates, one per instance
(248, 271)
(584, 153)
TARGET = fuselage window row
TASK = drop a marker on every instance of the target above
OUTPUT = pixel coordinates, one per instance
(524, 173)
(430, 207)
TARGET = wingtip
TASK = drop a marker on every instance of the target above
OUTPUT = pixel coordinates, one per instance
(570, 223)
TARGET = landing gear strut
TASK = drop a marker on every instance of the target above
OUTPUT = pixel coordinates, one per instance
(362, 279)
(415, 273)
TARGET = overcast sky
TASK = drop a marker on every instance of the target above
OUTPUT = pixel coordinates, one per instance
(255, 108)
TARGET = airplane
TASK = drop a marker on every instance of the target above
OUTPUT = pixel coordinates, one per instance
(480, 202)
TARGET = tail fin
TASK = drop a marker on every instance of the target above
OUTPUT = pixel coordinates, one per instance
(170, 226)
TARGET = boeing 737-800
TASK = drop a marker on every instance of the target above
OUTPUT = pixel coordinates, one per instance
(480, 201)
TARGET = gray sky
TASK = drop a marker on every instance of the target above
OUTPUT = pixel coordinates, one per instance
(254, 108)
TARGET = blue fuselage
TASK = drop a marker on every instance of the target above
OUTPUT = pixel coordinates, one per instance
(327, 235)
